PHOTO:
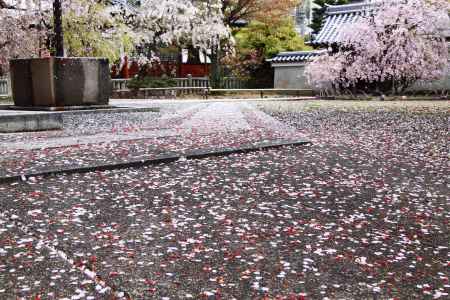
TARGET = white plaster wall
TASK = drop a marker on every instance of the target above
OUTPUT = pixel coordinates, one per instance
(290, 77)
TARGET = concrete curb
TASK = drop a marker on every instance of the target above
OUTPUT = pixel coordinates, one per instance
(116, 109)
(26, 121)
(30, 122)
(161, 159)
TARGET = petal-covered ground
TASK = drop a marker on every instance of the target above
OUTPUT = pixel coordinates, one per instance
(120, 137)
(361, 214)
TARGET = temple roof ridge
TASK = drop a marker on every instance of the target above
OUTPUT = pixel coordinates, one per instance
(348, 8)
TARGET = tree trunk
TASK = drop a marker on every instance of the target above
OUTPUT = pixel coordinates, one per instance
(215, 68)
(58, 27)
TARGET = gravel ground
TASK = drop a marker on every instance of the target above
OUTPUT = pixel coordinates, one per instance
(29, 269)
(361, 214)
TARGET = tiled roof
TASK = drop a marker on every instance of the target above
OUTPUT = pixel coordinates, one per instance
(338, 18)
(124, 5)
(296, 57)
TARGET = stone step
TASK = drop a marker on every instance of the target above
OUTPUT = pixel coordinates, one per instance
(30, 122)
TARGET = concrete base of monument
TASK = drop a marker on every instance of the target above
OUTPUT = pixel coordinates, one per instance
(23, 119)
(30, 122)
(60, 82)
(61, 108)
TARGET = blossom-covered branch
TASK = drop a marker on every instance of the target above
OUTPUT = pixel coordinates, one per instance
(387, 50)
(94, 28)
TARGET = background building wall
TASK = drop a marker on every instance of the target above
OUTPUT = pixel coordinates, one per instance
(290, 77)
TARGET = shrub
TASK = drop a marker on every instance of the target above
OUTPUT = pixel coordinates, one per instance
(151, 82)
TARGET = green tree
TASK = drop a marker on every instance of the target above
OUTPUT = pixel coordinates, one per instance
(95, 32)
(258, 42)
(270, 40)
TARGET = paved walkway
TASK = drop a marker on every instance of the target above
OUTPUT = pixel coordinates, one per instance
(197, 118)
(119, 137)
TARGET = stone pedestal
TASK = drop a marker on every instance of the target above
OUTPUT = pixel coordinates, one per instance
(60, 82)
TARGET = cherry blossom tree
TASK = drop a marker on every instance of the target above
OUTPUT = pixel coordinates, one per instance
(26, 29)
(96, 29)
(198, 24)
(102, 27)
(266, 11)
(21, 30)
(389, 49)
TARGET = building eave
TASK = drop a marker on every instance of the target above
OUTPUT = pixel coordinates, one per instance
(295, 57)
(281, 65)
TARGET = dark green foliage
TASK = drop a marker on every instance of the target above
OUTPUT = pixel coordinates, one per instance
(151, 82)
(258, 42)
(319, 13)
(262, 77)
(269, 40)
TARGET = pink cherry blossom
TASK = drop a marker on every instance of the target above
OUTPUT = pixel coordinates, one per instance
(394, 45)
(25, 26)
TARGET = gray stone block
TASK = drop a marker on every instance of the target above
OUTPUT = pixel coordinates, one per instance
(21, 82)
(43, 82)
(59, 81)
(30, 122)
